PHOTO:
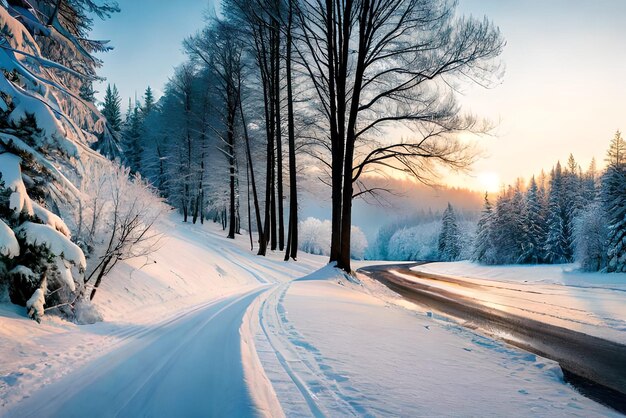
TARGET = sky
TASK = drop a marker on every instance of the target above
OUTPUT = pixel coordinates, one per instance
(562, 92)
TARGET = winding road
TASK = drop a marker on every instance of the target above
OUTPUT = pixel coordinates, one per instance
(597, 366)
(190, 366)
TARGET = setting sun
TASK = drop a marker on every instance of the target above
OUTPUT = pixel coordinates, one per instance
(489, 181)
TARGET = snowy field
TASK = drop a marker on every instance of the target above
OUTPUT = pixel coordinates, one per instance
(293, 340)
(593, 303)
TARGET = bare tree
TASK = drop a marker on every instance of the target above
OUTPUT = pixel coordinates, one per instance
(221, 51)
(382, 64)
(133, 210)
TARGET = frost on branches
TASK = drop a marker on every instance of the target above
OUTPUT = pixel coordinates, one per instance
(46, 131)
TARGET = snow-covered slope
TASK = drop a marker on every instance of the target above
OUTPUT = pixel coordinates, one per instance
(189, 269)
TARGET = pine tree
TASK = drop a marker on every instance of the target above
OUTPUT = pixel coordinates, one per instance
(590, 186)
(450, 236)
(614, 202)
(617, 150)
(483, 245)
(571, 203)
(556, 247)
(111, 108)
(87, 92)
(132, 134)
(44, 127)
(534, 223)
(505, 228)
(148, 102)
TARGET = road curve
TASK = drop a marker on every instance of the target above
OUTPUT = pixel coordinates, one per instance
(580, 355)
(188, 367)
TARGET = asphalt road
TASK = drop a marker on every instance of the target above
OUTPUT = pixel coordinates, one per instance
(596, 366)
(188, 367)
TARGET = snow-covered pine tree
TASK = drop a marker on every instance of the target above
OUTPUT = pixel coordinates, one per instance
(111, 108)
(87, 92)
(41, 138)
(148, 102)
(590, 184)
(590, 237)
(535, 227)
(572, 203)
(616, 155)
(109, 139)
(614, 201)
(483, 245)
(132, 138)
(556, 246)
(518, 229)
(450, 236)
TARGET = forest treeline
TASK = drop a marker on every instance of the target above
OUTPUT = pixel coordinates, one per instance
(569, 215)
(276, 93)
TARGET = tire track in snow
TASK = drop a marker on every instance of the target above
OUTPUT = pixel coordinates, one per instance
(321, 388)
(190, 367)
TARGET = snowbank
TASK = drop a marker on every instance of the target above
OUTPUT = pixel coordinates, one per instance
(363, 356)
(592, 303)
(563, 274)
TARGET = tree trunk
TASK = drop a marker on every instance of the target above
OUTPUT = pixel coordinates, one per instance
(257, 210)
(292, 235)
(99, 278)
(249, 208)
(231, 161)
(279, 145)
(336, 139)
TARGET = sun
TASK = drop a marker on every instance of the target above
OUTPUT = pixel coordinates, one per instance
(489, 181)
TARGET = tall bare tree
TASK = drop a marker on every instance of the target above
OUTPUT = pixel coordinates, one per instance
(379, 66)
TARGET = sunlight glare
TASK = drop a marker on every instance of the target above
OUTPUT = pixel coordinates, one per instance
(490, 181)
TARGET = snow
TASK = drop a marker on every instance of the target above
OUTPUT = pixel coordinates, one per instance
(50, 219)
(11, 176)
(35, 304)
(559, 274)
(58, 244)
(592, 303)
(205, 325)
(9, 247)
(353, 351)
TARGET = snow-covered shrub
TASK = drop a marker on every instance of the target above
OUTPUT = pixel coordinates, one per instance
(85, 312)
(358, 243)
(415, 243)
(118, 218)
(35, 304)
(421, 242)
(314, 238)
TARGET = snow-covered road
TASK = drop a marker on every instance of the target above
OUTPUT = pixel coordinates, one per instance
(191, 366)
(526, 316)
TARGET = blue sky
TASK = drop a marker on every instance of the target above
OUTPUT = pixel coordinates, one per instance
(563, 90)
(147, 37)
